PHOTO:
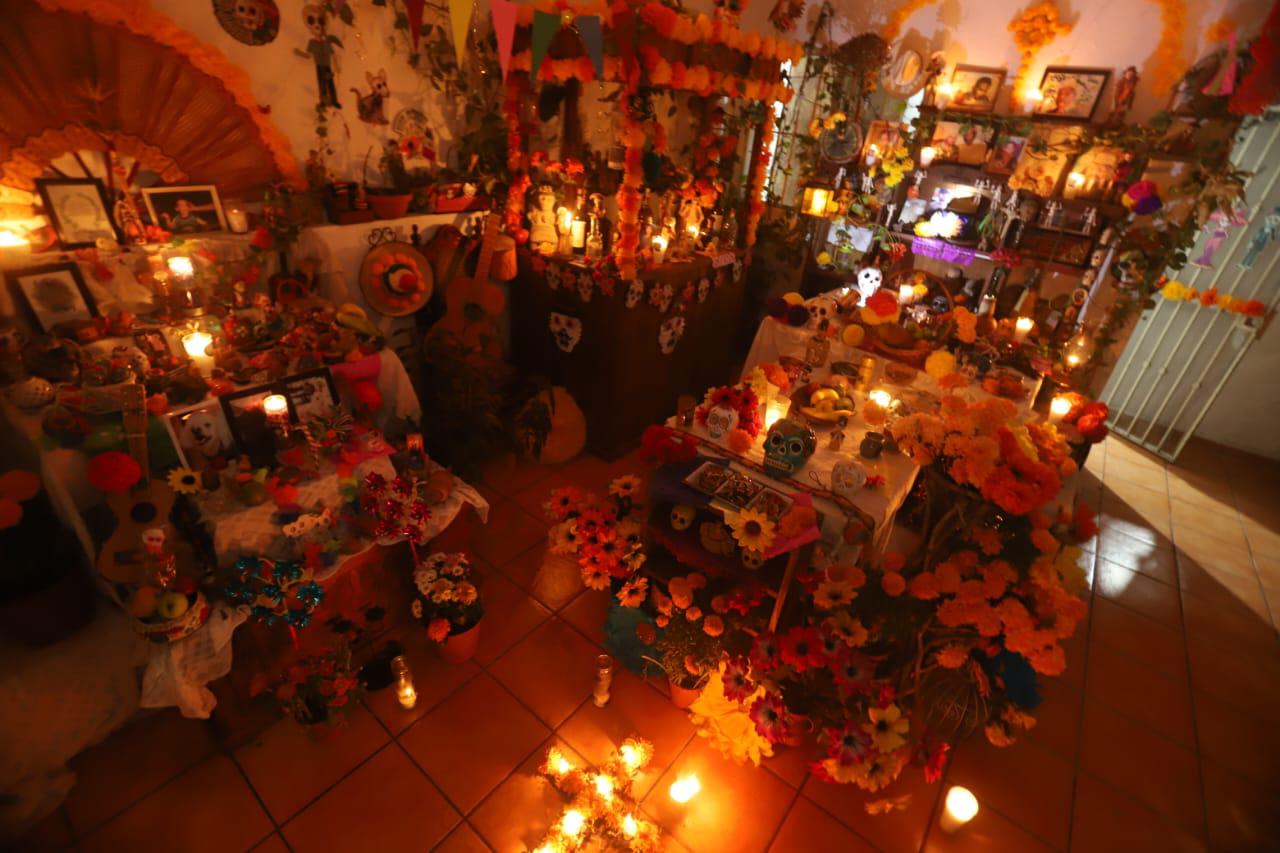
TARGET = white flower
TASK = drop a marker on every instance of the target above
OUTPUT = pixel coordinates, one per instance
(423, 578)
(416, 608)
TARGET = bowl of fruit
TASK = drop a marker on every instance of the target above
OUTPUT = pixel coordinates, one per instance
(169, 613)
(829, 402)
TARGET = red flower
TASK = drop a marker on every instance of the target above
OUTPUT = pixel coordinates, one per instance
(262, 239)
(936, 763)
(764, 653)
(737, 681)
(801, 648)
(771, 718)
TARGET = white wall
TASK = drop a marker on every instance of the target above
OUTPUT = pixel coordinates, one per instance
(1245, 414)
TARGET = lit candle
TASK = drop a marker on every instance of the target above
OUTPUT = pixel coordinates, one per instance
(629, 826)
(181, 269)
(906, 293)
(197, 345)
(927, 154)
(960, 807)
(944, 93)
(873, 154)
(1022, 328)
(604, 787)
(685, 788)
(1058, 409)
(1073, 360)
(557, 763)
(406, 693)
(579, 233)
(604, 678)
(1031, 100)
(659, 247)
(237, 221)
(881, 398)
(11, 240)
(275, 406)
(775, 410)
(818, 199)
(572, 822)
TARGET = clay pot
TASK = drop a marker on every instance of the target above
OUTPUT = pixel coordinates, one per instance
(390, 205)
(683, 697)
(460, 647)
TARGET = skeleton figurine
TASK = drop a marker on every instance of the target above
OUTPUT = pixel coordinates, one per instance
(868, 184)
(320, 48)
(890, 208)
(1090, 221)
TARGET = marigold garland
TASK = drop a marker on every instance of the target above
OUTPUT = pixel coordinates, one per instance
(898, 17)
(1034, 28)
(1176, 291)
(759, 169)
(632, 138)
(672, 75)
(1169, 65)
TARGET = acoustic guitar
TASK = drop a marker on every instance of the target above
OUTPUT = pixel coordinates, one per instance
(473, 303)
(140, 510)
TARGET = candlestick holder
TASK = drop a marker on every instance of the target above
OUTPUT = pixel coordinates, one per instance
(604, 680)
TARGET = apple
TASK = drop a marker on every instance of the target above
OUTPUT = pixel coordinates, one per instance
(143, 603)
(172, 605)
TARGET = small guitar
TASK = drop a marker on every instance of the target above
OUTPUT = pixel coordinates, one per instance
(142, 512)
(472, 304)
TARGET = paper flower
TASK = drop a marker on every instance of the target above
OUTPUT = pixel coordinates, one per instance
(752, 529)
(184, 481)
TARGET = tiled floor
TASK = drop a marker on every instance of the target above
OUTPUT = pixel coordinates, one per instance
(1161, 736)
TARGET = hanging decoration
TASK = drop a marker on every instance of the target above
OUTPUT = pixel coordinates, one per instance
(413, 11)
(759, 174)
(1176, 291)
(1265, 234)
(566, 331)
(1168, 58)
(460, 23)
(276, 590)
(898, 17)
(252, 22)
(504, 30)
(669, 334)
(545, 25)
(1260, 87)
(592, 40)
(1034, 28)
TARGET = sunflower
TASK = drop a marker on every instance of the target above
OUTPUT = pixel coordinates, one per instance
(625, 486)
(633, 592)
(753, 530)
(830, 594)
(184, 481)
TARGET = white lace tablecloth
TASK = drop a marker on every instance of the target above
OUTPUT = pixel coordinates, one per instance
(178, 672)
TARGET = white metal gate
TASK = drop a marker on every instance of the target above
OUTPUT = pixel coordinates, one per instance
(1180, 355)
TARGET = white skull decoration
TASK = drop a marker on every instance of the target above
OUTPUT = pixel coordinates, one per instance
(635, 292)
(704, 288)
(669, 334)
(720, 420)
(869, 279)
(566, 330)
(249, 14)
(585, 285)
(737, 268)
(822, 312)
(682, 517)
(660, 297)
(553, 276)
(847, 477)
(752, 559)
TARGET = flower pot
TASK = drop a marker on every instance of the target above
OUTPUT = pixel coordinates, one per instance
(460, 647)
(683, 697)
(389, 205)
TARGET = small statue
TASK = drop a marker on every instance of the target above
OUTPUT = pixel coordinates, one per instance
(1219, 221)
(1122, 96)
(836, 440)
(1270, 228)
(542, 221)
(937, 64)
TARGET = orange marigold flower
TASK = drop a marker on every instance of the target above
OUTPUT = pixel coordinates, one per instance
(924, 586)
(851, 575)
(988, 539)
(952, 656)
(948, 575)
(893, 584)
(1045, 542)
(894, 561)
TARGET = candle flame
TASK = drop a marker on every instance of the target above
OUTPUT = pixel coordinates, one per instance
(685, 788)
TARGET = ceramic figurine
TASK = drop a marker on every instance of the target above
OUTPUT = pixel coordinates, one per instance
(720, 420)
(691, 217)
(370, 107)
(836, 440)
(872, 444)
(787, 446)
(1265, 234)
(1219, 221)
(320, 47)
(847, 478)
(817, 350)
(822, 312)
(542, 221)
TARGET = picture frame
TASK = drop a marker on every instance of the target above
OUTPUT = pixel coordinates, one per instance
(200, 434)
(1004, 154)
(310, 393)
(1056, 246)
(1071, 93)
(975, 88)
(1040, 172)
(153, 343)
(1094, 173)
(78, 210)
(194, 209)
(966, 143)
(245, 419)
(884, 135)
(52, 294)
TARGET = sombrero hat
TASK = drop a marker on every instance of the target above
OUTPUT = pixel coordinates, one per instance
(396, 279)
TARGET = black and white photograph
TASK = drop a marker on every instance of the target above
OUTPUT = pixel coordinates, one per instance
(310, 394)
(186, 210)
(54, 294)
(78, 210)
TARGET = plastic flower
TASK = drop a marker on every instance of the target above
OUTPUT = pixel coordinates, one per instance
(595, 577)
(770, 718)
(625, 486)
(416, 608)
(633, 592)
(753, 530)
(765, 653)
(952, 656)
(184, 481)
(893, 584)
(887, 727)
(849, 745)
(853, 673)
(832, 594)
(564, 537)
(713, 626)
(737, 681)
(465, 593)
(801, 648)
(564, 501)
(847, 627)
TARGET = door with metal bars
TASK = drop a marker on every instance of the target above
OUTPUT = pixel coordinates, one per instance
(1180, 355)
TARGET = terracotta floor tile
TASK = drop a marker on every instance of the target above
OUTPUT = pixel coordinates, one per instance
(988, 831)
(209, 807)
(51, 833)
(1148, 475)
(1058, 717)
(1213, 552)
(757, 801)
(1221, 583)
(462, 840)
(288, 768)
(1207, 530)
(808, 828)
(387, 804)
(1127, 685)
(522, 569)
(155, 747)
(1268, 571)
(1248, 682)
(588, 613)
(552, 671)
(1025, 782)
(510, 532)
(1076, 648)
(1129, 632)
(273, 844)
(591, 473)
(1229, 620)
(1263, 541)
(1128, 756)
(1139, 555)
(899, 830)
(472, 740)
(433, 677)
(1213, 494)
(519, 812)
(1241, 815)
(635, 709)
(509, 614)
(1221, 523)
(1138, 592)
(509, 476)
(1108, 821)
(1127, 524)
(790, 763)
(1239, 741)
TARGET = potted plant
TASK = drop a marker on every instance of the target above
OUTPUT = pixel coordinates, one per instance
(449, 603)
(391, 200)
(318, 692)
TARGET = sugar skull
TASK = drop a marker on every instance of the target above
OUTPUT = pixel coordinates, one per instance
(585, 285)
(682, 517)
(822, 312)
(249, 13)
(566, 330)
(752, 559)
(847, 477)
(787, 446)
(554, 276)
(660, 297)
(720, 420)
(869, 280)
(669, 334)
(635, 292)
(704, 288)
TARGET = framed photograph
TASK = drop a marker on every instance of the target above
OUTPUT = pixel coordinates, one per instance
(1005, 154)
(1071, 93)
(200, 434)
(153, 343)
(1093, 175)
(54, 293)
(78, 211)
(1044, 159)
(886, 136)
(974, 89)
(1056, 246)
(186, 210)
(958, 142)
(246, 420)
(310, 394)
(1169, 174)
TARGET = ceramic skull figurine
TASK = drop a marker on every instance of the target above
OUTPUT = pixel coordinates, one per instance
(752, 559)
(682, 517)
(822, 312)
(869, 280)
(847, 477)
(787, 446)
(720, 420)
